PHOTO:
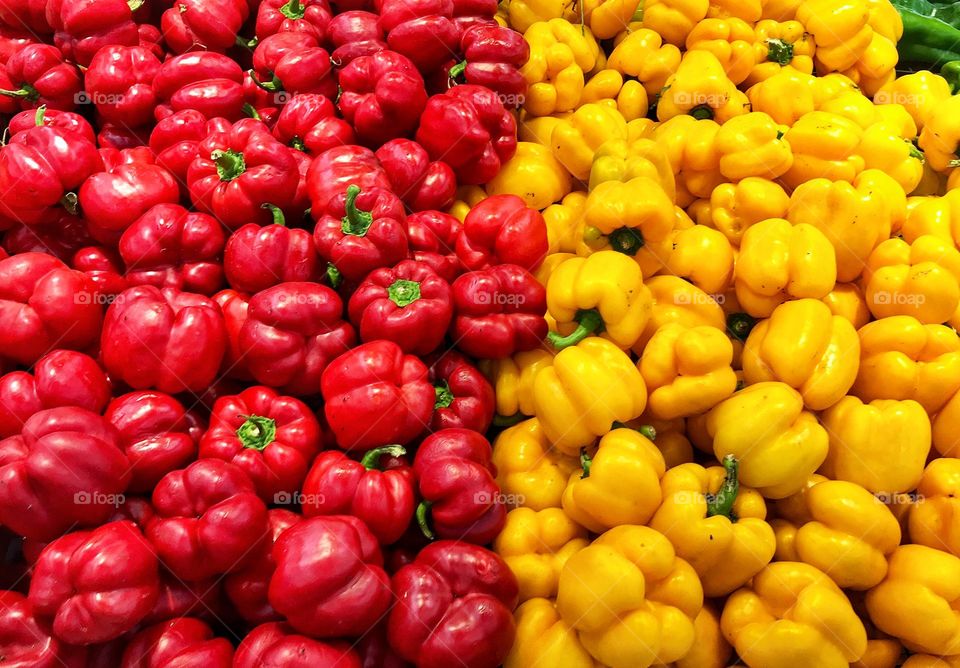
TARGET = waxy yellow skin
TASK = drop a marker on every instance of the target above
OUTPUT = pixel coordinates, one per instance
(529, 468)
(544, 640)
(691, 146)
(533, 174)
(937, 216)
(920, 93)
(700, 86)
(935, 520)
(674, 19)
(512, 380)
(734, 207)
(644, 55)
(639, 204)
(777, 45)
(825, 145)
(560, 54)
(621, 160)
(753, 145)
(678, 301)
(730, 40)
(575, 139)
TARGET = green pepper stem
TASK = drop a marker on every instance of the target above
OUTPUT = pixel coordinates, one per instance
(588, 322)
(71, 203)
(703, 112)
(586, 462)
(293, 10)
(915, 151)
(779, 51)
(403, 292)
(626, 240)
(423, 520)
(230, 164)
(298, 144)
(646, 430)
(134, 5)
(26, 92)
(444, 397)
(739, 325)
(251, 111)
(334, 275)
(257, 432)
(457, 71)
(721, 503)
(278, 217)
(508, 420)
(40, 115)
(356, 222)
(272, 86)
(371, 460)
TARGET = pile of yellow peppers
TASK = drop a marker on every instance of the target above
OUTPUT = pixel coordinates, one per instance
(741, 443)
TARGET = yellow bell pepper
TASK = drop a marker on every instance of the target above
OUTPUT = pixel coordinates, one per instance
(790, 94)
(560, 54)
(940, 139)
(854, 106)
(528, 467)
(467, 198)
(918, 279)
(939, 216)
(885, 19)
(710, 649)
(537, 129)
(544, 640)
(608, 87)
(855, 216)
(674, 19)
(847, 301)
(678, 301)
(627, 215)
(930, 661)
(897, 119)
(699, 254)
(631, 599)
(642, 55)
(524, 13)
(605, 18)
(807, 347)
(841, 31)
(687, 370)
(716, 525)
(619, 484)
(545, 271)
(946, 428)
(777, 442)
(777, 45)
(512, 380)
(875, 67)
(935, 520)
(734, 207)
(840, 528)
(779, 10)
(901, 358)
(792, 615)
(670, 438)
(824, 145)
(575, 139)
(619, 160)
(563, 222)
(600, 294)
(920, 93)
(779, 261)
(533, 174)
(753, 145)
(701, 88)
(882, 445)
(882, 653)
(745, 10)
(883, 149)
(917, 601)
(536, 544)
(692, 149)
(589, 387)
(730, 40)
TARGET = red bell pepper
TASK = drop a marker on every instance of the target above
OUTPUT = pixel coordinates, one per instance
(64, 121)
(209, 82)
(203, 25)
(63, 236)
(276, 644)
(202, 599)
(209, 520)
(492, 57)
(337, 168)
(234, 306)
(28, 15)
(355, 33)
(38, 167)
(306, 16)
(119, 82)
(240, 169)
(379, 493)
(113, 200)
(45, 305)
(309, 123)
(382, 97)
(454, 606)
(376, 395)
(422, 30)
(37, 75)
(12, 40)
(60, 378)
(271, 437)
(95, 585)
(151, 39)
(458, 443)
(329, 581)
(114, 136)
(291, 63)
(154, 433)
(362, 230)
(464, 396)
(247, 588)
(82, 28)
(183, 641)
(174, 140)
(167, 340)
(375, 652)
(291, 333)
(103, 267)
(136, 155)
(433, 240)
(408, 304)
(26, 641)
(257, 258)
(170, 247)
(502, 230)
(421, 184)
(469, 128)
(498, 312)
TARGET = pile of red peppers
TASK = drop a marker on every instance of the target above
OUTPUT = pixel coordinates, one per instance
(242, 422)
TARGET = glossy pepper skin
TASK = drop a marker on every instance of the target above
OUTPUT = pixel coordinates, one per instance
(156, 434)
(701, 88)
(933, 522)
(780, 44)
(446, 585)
(502, 230)
(362, 230)
(544, 638)
(379, 490)
(407, 304)
(920, 587)
(208, 519)
(256, 258)
(344, 549)
(589, 387)
(824, 145)
(334, 170)
(793, 612)
(529, 468)
(180, 640)
(422, 184)
(622, 160)
(355, 33)
(37, 75)
(167, 340)
(423, 30)
(383, 97)
(560, 55)
(193, 25)
(575, 139)
(468, 128)
(308, 123)
(512, 378)
(290, 63)
(96, 585)
(646, 620)
(498, 312)
(492, 57)
(534, 174)
(308, 16)
(272, 438)
(753, 145)
(81, 29)
(65, 468)
(120, 82)
(276, 643)
(464, 398)
(210, 83)
(376, 395)
(765, 427)
(29, 641)
(626, 216)
(730, 39)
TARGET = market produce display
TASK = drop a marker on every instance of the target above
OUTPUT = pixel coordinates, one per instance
(441, 333)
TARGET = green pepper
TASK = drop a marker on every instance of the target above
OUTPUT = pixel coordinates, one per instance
(930, 33)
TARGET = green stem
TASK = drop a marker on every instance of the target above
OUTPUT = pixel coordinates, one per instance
(739, 325)
(951, 72)
(703, 112)
(626, 240)
(230, 164)
(456, 71)
(71, 203)
(423, 520)
(39, 117)
(508, 420)
(134, 5)
(371, 460)
(298, 144)
(646, 430)
(779, 52)
(586, 463)
(721, 503)
(293, 10)
(589, 321)
(26, 92)
(251, 111)
(272, 86)
(257, 432)
(245, 43)
(278, 217)
(356, 222)
(444, 397)
(334, 275)
(403, 292)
